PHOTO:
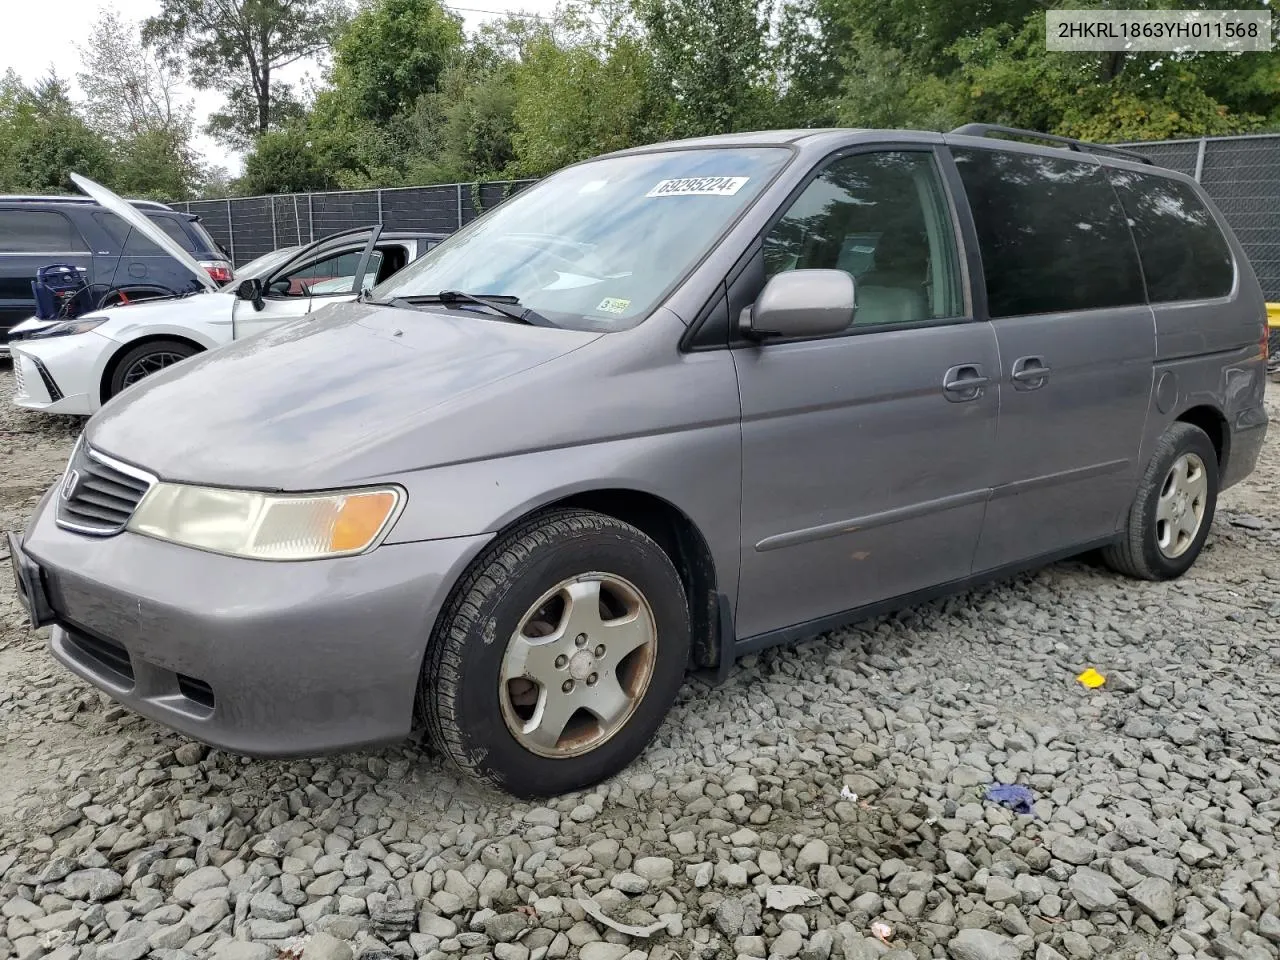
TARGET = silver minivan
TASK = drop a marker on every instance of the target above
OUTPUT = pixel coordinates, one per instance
(667, 407)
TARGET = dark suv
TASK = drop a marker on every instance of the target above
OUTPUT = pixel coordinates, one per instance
(118, 262)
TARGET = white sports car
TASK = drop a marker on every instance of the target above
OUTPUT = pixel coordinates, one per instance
(74, 366)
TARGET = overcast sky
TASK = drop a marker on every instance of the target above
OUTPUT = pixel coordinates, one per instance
(34, 40)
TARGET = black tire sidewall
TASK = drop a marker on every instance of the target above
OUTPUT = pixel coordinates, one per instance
(140, 351)
(1191, 440)
(478, 712)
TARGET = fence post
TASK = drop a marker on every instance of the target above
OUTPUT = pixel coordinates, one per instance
(379, 205)
(1199, 159)
(231, 234)
(459, 186)
(275, 244)
(311, 219)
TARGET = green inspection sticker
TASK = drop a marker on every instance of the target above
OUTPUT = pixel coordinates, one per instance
(613, 305)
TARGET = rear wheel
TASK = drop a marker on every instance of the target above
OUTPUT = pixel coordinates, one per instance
(145, 359)
(1173, 509)
(558, 656)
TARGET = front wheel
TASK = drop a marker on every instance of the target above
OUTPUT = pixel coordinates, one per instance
(558, 656)
(1173, 509)
(144, 360)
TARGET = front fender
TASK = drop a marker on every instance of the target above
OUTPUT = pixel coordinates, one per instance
(126, 334)
(696, 470)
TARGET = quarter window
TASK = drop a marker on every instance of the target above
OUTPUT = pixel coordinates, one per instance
(1051, 233)
(38, 231)
(883, 219)
(1184, 254)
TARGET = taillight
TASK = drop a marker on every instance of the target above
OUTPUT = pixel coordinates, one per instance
(1266, 342)
(219, 270)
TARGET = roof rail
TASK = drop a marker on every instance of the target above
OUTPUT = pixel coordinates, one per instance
(987, 129)
(76, 198)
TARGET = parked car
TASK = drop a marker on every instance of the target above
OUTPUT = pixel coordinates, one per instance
(636, 420)
(33, 326)
(120, 263)
(77, 365)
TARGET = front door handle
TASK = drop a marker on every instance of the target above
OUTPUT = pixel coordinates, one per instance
(1029, 373)
(964, 382)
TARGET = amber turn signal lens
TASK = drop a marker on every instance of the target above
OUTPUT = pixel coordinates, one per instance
(359, 519)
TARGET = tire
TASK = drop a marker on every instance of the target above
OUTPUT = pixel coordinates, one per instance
(160, 353)
(472, 694)
(1139, 552)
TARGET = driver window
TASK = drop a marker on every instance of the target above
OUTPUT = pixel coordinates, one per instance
(330, 275)
(882, 218)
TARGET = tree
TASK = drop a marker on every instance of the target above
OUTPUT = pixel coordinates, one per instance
(42, 139)
(579, 100)
(238, 46)
(127, 89)
(135, 102)
(284, 161)
(158, 164)
(714, 60)
(391, 54)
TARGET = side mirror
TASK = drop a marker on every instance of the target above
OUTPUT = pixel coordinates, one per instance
(250, 289)
(801, 303)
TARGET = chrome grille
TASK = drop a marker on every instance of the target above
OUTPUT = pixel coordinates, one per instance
(98, 494)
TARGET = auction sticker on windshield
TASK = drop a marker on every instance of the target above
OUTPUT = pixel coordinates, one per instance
(699, 186)
(613, 305)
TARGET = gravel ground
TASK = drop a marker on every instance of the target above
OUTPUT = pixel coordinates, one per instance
(827, 802)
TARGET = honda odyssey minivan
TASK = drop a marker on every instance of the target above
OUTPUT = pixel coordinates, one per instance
(667, 407)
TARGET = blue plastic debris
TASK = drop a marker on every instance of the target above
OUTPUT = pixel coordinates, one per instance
(1017, 798)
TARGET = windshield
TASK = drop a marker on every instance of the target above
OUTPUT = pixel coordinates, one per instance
(598, 245)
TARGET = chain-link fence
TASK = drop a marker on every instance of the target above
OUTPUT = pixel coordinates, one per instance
(1242, 175)
(251, 226)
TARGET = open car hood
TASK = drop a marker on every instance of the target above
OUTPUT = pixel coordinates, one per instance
(131, 215)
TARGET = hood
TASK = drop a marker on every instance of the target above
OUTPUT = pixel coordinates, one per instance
(130, 214)
(335, 398)
(165, 312)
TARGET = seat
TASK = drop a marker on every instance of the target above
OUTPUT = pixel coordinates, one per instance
(893, 290)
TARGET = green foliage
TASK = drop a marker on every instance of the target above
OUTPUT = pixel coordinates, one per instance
(391, 54)
(285, 161)
(714, 61)
(939, 63)
(236, 46)
(133, 101)
(573, 101)
(42, 138)
(409, 99)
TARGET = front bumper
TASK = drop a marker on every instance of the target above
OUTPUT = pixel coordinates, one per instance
(61, 374)
(259, 658)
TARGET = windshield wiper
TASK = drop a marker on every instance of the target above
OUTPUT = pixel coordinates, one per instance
(497, 302)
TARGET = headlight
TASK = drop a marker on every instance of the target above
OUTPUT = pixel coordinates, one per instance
(264, 526)
(68, 327)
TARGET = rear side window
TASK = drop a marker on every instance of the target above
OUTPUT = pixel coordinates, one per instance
(38, 231)
(1184, 254)
(173, 228)
(204, 242)
(1051, 233)
(135, 243)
